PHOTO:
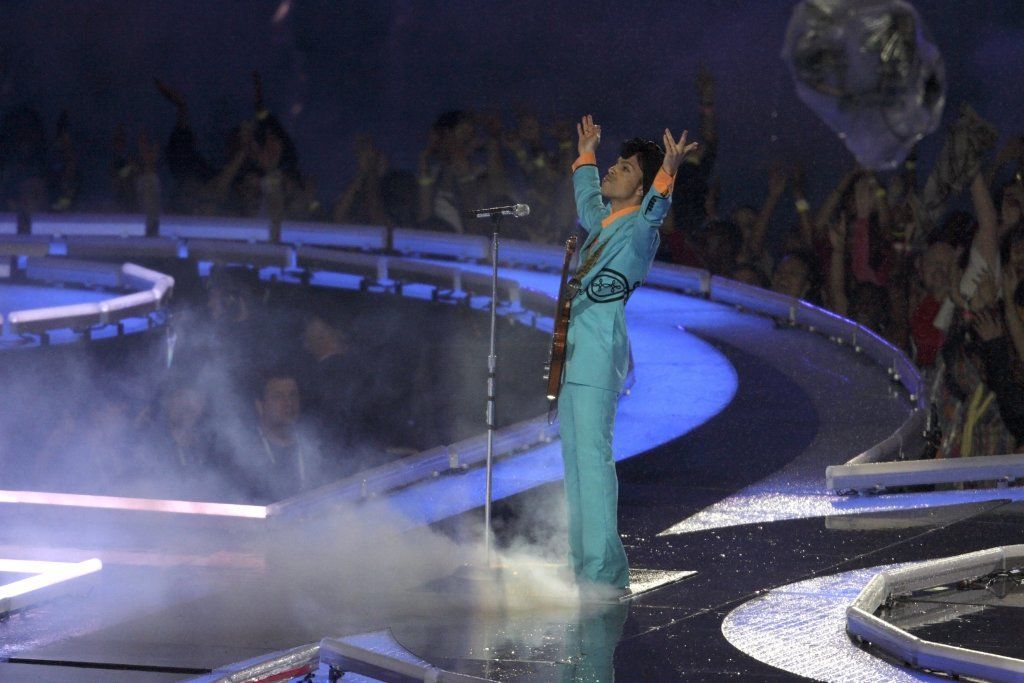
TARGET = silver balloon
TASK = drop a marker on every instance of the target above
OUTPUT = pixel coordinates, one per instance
(870, 71)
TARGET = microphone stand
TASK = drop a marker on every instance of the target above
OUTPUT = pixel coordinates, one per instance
(492, 368)
(490, 572)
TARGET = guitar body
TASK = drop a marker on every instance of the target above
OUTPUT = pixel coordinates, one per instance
(555, 366)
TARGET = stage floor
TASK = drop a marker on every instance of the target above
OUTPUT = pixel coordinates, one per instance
(744, 561)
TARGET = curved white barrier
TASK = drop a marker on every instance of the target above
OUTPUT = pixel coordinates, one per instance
(862, 623)
(157, 287)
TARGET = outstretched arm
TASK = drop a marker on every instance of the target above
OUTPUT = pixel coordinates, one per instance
(585, 180)
(834, 199)
(676, 151)
(175, 98)
(654, 206)
(1012, 151)
(987, 238)
(589, 135)
(706, 92)
(837, 271)
(752, 247)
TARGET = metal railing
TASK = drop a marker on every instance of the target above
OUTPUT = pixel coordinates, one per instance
(155, 290)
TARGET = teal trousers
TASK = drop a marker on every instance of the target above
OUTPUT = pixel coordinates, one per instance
(586, 422)
(591, 642)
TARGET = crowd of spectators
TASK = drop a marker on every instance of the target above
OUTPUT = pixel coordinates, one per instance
(891, 251)
(249, 400)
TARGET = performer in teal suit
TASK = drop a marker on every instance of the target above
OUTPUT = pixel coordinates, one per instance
(614, 260)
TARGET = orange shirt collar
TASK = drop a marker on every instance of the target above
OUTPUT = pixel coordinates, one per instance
(619, 214)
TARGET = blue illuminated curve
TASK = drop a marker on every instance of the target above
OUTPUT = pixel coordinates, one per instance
(22, 297)
(681, 383)
(17, 297)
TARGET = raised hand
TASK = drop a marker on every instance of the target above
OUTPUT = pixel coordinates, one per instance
(986, 291)
(904, 225)
(837, 235)
(588, 135)
(675, 151)
(863, 195)
(988, 325)
(956, 274)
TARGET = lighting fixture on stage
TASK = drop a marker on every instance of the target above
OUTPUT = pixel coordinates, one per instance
(875, 477)
(46, 583)
(140, 504)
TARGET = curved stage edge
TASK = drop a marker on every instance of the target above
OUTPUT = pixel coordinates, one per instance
(681, 382)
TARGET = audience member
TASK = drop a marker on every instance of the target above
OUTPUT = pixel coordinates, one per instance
(181, 434)
(362, 201)
(287, 457)
(796, 276)
(450, 179)
(338, 387)
(691, 191)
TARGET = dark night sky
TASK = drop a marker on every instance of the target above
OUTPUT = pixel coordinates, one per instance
(390, 67)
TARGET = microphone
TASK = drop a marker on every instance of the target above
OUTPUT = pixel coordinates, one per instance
(514, 210)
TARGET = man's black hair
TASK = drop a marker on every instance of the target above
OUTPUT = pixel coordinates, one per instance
(650, 159)
(266, 374)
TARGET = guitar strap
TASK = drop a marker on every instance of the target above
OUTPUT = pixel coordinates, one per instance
(576, 281)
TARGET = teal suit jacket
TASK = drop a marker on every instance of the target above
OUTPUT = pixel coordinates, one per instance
(597, 346)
